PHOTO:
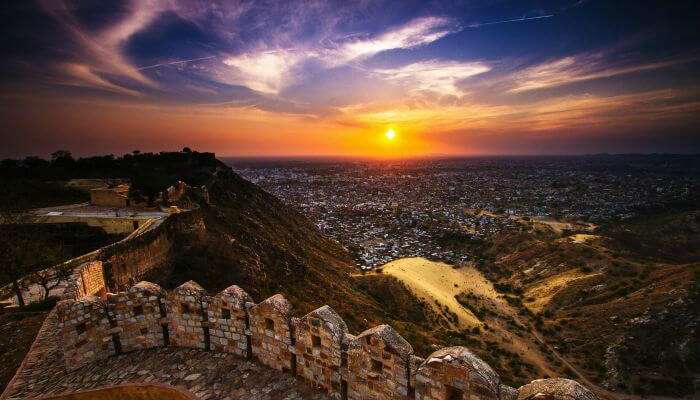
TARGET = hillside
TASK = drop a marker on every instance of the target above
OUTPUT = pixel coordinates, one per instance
(621, 305)
(253, 240)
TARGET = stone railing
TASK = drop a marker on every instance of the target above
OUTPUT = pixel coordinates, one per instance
(375, 364)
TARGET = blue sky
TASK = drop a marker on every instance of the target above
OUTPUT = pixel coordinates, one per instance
(321, 77)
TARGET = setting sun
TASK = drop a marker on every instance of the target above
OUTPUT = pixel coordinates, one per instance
(390, 134)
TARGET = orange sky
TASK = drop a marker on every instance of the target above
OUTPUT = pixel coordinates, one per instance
(329, 78)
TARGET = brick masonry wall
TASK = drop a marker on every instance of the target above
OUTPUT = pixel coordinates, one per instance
(455, 372)
(187, 315)
(319, 341)
(87, 279)
(228, 321)
(376, 364)
(378, 360)
(84, 331)
(138, 259)
(270, 323)
(138, 316)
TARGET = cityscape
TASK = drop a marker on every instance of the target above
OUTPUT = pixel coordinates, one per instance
(384, 210)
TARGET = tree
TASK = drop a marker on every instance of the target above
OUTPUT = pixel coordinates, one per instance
(47, 277)
(147, 184)
(22, 252)
(61, 155)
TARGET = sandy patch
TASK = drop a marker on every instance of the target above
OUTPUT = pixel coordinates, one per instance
(582, 237)
(431, 280)
(543, 292)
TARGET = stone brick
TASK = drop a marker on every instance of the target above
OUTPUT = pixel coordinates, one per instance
(455, 372)
(87, 279)
(187, 308)
(84, 331)
(319, 341)
(271, 332)
(555, 389)
(228, 321)
(139, 314)
(378, 362)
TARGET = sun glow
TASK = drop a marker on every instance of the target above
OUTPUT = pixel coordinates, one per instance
(390, 134)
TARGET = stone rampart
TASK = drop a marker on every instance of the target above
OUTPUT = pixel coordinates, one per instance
(271, 333)
(86, 280)
(376, 364)
(85, 331)
(229, 323)
(319, 348)
(455, 373)
(187, 310)
(138, 316)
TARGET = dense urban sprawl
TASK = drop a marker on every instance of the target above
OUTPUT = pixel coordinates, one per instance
(383, 210)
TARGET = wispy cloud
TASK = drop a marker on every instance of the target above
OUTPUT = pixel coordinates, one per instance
(83, 75)
(578, 68)
(420, 31)
(264, 71)
(270, 70)
(101, 53)
(435, 75)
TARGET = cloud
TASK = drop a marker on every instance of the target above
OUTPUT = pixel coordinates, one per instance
(417, 32)
(84, 76)
(435, 75)
(578, 68)
(271, 70)
(265, 71)
(100, 54)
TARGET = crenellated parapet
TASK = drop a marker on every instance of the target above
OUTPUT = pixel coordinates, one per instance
(138, 316)
(187, 307)
(378, 365)
(85, 331)
(271, 333)
(375, 364)
(455, 373)
(319, 348)
(555, 389)
(229, 323)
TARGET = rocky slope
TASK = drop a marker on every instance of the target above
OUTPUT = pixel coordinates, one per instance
(253, 240)
(623, 311)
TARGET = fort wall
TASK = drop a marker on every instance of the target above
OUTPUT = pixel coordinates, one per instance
(145, 249)
(86, 280)
(375, 364)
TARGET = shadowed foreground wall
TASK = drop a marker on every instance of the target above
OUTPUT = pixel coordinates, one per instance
(375, 364)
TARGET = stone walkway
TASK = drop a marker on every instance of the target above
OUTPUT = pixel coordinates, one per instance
(205, 374)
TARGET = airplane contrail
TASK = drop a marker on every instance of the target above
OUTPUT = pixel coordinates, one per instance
(505, 21)
(174, 63)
